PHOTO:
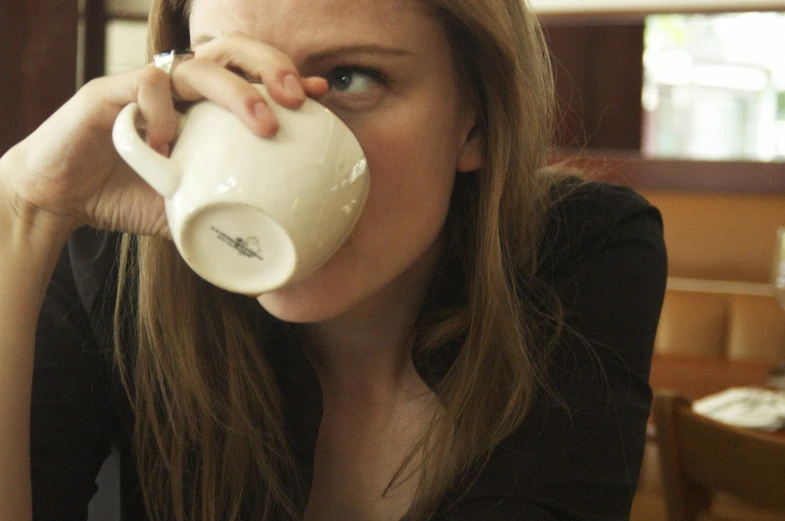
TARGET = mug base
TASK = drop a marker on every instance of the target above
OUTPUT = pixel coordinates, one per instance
(238, 248)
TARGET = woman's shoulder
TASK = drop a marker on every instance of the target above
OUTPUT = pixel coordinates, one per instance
(573, 200)
(585, 215)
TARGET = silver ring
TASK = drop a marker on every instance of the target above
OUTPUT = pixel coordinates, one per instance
(168, 60)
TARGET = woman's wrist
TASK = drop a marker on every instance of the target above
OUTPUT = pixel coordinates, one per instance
(32, 238)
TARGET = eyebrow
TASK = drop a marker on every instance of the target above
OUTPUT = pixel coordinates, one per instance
(334, 52)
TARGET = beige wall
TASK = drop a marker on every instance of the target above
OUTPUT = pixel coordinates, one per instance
(125, 45)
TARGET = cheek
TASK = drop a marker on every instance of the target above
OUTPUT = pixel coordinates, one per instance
(411, 156)
(409, 197)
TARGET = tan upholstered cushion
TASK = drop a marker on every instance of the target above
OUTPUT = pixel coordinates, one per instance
(720, 236)
(739, 326)
(692, 323)
(756, 328)
(717, 244)
(736, 325)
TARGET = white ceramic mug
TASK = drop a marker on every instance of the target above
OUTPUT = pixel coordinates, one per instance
(252, 214)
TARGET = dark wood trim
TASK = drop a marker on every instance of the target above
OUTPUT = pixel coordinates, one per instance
(632, 15)
(7, 69)
(127, 17)
(592, 19)
(598, 73)
(641, 173)
(95, 39)
(38, 56)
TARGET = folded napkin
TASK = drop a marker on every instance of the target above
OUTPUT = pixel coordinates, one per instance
(749, 407)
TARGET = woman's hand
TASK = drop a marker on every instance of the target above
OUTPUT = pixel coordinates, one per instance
(68, 174)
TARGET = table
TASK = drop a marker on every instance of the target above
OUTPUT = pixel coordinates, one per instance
(694, 377)
(699, 376)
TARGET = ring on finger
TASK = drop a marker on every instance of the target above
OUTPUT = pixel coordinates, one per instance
(168, 60)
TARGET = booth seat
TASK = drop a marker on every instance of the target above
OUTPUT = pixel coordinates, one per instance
(719, 236)
(719, 300)
(739, 321)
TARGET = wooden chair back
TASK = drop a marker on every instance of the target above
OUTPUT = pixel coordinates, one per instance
(700, 456)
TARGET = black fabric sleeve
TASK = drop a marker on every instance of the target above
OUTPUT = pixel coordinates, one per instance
(70, 403)
(578, 457)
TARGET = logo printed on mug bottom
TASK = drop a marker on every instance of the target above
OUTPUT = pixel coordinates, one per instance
(248, 247)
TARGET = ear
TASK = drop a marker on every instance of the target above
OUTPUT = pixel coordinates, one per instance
(470, 153)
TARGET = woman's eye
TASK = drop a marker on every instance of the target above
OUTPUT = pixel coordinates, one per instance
(353, 80)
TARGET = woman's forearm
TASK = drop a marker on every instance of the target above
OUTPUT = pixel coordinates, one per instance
(28, 253)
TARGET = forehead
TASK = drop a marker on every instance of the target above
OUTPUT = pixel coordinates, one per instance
(294, 25)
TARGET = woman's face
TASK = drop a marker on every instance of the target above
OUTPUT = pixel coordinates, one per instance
(394, 83)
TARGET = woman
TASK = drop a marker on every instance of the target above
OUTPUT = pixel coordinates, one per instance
(477, 349)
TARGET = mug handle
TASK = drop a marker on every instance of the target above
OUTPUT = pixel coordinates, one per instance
(160, 172)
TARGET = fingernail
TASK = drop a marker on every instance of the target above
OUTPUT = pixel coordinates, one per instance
(292, 86)
(264, 116)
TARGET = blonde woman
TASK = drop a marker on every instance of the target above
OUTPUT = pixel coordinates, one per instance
(477, 349)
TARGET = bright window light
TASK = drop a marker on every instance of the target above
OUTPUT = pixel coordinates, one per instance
(714, 86)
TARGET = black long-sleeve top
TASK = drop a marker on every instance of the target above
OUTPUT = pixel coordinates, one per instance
(602, 251)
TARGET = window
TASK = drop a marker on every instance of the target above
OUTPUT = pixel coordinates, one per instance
(714, 86)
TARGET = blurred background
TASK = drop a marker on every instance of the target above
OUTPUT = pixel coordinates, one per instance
(695, 80)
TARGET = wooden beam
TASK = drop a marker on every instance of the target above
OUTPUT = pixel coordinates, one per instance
(95, 19)
(677, 174)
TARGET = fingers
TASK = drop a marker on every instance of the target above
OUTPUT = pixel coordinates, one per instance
(315, 87)
(213, 74)
(258, 62)
(155, 104)
(105, 196)
(201, 78)
(149, 87)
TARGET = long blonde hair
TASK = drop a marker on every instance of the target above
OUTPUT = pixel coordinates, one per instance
(209, 435)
